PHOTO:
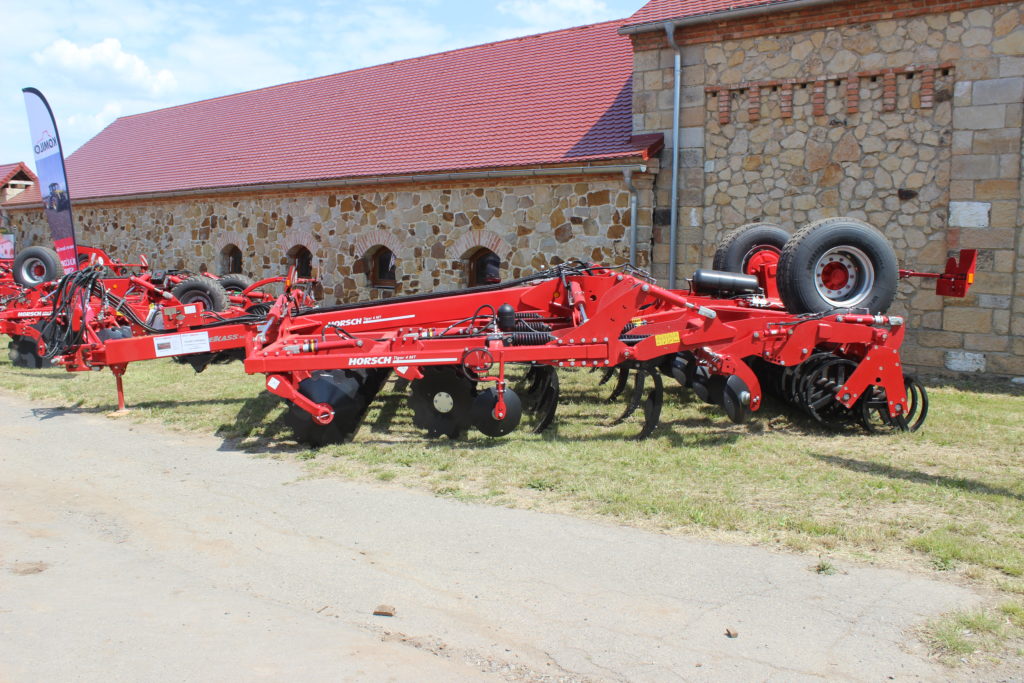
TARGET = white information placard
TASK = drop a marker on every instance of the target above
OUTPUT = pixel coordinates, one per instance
(178, 344)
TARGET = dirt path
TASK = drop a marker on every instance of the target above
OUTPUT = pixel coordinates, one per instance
(131, 553)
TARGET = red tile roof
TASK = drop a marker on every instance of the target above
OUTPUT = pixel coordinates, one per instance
(560, 97)
(663, 10)
(8, 171)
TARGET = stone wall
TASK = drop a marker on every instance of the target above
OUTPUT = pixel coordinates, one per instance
(431, 229)
(912, 124)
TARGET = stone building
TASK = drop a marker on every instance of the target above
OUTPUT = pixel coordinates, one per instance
(397, 178)
(905, 114)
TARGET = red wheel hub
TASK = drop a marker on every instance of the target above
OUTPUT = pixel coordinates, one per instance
(763, 257)
(38, 270)
(835, 276)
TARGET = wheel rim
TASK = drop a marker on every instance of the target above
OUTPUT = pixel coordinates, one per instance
(844, 276)
(443, 402)
(200, 298)
(759, 256)
(33, 270)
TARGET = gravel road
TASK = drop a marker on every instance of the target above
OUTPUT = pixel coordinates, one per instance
(129, 552)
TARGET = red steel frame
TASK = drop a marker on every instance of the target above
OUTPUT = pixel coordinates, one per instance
(596, 317)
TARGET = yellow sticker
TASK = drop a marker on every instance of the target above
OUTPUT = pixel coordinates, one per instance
(637, 321)
(666, 339)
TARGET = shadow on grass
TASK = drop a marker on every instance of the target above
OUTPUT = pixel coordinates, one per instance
(958, 483)
(41, 374)
(252, 433)
(80, 409)
(980, 385)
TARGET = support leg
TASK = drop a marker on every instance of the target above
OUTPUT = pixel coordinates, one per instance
(118, 371)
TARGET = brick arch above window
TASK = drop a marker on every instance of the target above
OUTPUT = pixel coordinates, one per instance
(374, 238)
(297, 237)
(225, 237)
(474, 239)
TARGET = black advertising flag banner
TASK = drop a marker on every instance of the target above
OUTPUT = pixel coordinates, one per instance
(53, 181)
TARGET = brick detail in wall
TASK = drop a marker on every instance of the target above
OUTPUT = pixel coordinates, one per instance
(754, 109)
(818, 84)
(724, 107)
(474, 239)
(852, 94)
(888, 91)
(823, 16)
(927, 88)
(374, 238)
(818, 98)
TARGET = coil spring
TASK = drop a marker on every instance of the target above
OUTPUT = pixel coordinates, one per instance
(523, 326)
(529, 338)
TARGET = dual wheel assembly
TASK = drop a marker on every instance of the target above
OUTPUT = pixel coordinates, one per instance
(834, 263)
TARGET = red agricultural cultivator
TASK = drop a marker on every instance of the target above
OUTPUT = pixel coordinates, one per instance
(802, 317)
(28, 294)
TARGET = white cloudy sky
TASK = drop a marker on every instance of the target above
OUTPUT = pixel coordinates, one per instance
(96, 60)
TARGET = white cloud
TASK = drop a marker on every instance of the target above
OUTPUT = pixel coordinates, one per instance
(545, 15)
(98, 120)
(103, 59)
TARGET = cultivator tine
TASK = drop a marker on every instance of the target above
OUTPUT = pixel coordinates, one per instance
(620, 383)
(539, 394)
(606, 374)
(636, 396)
(651, 402)
(652, 408)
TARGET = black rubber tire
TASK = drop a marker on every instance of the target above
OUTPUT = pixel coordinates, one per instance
(34, 265)
(797, 276)
(205, 290)
(736, 248)
(235, 283)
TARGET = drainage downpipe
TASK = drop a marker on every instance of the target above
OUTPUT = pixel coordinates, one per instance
(673, 223)
(634, 238)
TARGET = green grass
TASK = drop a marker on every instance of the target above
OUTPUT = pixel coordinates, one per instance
(948, 498)
(988, 632)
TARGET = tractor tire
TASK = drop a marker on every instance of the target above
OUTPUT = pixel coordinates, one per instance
(738, 250)
(204, 290)
(34, 265)
(235, 283)
(838, 263)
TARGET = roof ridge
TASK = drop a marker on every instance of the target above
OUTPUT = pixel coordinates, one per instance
(610, 22)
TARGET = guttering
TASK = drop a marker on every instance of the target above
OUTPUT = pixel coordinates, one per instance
(673, 224)
(610, 169)
(634, 237)
(725, 15)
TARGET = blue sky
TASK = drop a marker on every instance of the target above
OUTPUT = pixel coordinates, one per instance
(96, 60)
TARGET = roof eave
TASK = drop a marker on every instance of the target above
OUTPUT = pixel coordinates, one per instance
(634, 161)
(725, 15)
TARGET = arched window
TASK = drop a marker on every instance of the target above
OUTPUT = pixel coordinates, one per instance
(484, 268)
(302, 259)
(381, 263)
(230, 259)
